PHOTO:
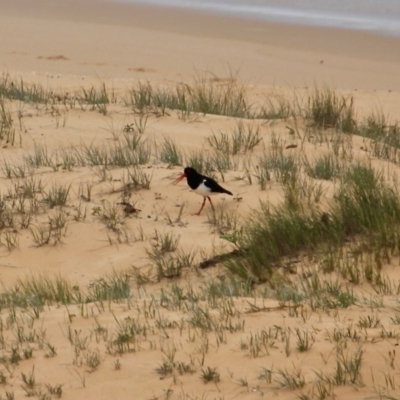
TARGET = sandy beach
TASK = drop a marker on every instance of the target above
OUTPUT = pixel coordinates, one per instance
(155, 342)
(117, 41)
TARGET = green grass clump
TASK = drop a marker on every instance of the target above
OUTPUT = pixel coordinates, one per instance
(274, 234)
(210, 375)
(7, 129)
(97, 99)
(375, 126)
(242, 139)
(276, 108)
(170, 152)
(326, 109)
(277, 164)
(366, 203)
(41, 157)
(326, 167)
(202, 96)
(385, 137)
(364, 206)
(39, 290)
(130, 150)
(57, 195)
(114, 287)
(17, 90)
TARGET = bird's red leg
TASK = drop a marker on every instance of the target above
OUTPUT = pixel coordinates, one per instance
(202, 206)
(212, 206)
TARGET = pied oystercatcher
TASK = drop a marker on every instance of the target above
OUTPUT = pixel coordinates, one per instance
(202, 185)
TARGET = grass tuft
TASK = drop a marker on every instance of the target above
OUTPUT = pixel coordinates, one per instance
(326, 109)
(364, 204)
(203, 96)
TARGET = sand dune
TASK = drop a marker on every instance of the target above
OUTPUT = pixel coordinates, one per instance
(174, 330)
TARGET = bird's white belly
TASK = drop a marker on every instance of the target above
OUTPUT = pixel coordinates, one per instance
(203, 190)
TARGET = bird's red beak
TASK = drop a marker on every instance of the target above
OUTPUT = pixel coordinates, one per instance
(179, 179)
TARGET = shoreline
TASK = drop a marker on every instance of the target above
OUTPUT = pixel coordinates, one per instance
(384, 25)
(123, 41)
(276, 33)
(192, 22)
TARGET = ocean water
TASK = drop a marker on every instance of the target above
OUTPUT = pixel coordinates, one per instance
(381, 16)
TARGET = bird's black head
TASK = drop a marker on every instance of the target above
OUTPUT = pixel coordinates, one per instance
(189, 171)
